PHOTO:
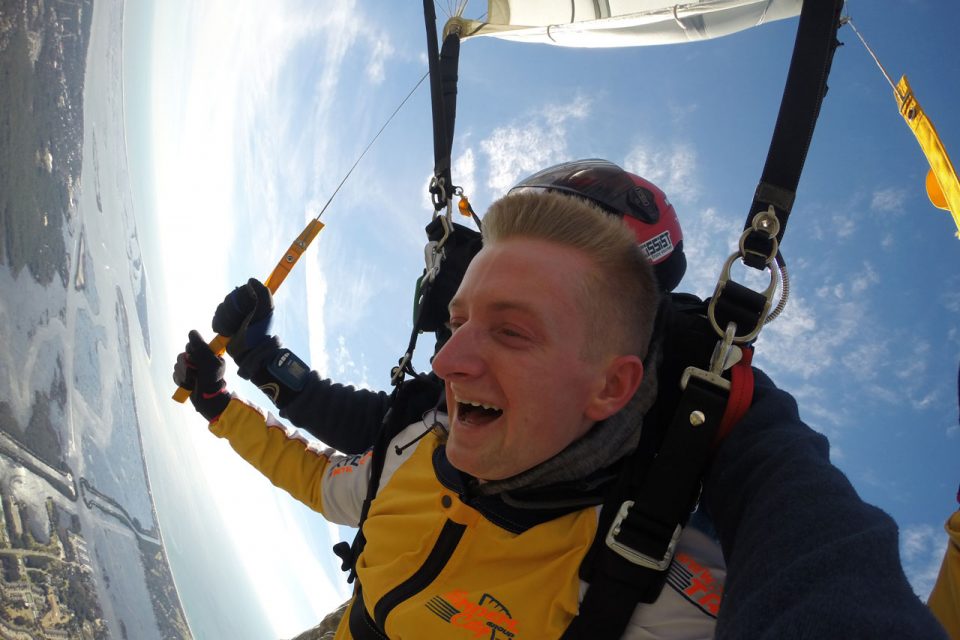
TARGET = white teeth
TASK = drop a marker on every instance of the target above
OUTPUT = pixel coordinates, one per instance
(479, 404)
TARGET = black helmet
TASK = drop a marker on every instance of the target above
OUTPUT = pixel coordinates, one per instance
(641, 203)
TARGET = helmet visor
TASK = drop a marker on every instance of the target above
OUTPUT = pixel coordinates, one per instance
(602, 182)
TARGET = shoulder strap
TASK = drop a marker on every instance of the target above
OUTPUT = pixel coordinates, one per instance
(643, 516)
(803, 94)
(407, 403)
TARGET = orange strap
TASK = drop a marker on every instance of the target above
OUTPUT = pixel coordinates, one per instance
(741, 394)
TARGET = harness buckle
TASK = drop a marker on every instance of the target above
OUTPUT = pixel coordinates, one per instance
(707, 376)
(433, 251)
(634, 556)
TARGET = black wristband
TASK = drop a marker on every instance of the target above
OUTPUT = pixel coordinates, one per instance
(283, 377)
(257, 359)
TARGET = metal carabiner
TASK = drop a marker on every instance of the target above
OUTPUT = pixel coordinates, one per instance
(438, 193)
(764, 222)
(433, 251)
(725, 354)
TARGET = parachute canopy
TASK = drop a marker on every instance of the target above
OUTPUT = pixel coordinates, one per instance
(621, 23)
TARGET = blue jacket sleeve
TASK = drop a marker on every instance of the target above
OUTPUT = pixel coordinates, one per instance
(341, 417)
(347, 419)
(806, 557)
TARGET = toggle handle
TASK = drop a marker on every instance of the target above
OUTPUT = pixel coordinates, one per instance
(280, 272)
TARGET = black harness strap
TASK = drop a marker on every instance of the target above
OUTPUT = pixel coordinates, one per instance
(643, 515)
(362, 626)
(444, 66)
(639, 528)
(639, 545)
(802, 96)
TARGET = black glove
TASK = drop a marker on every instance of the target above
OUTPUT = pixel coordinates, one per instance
(244, 317)
(201, 371)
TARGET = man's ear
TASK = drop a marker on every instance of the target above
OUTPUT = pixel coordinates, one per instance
(622, 379)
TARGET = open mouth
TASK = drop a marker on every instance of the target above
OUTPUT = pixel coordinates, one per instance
(476, 413)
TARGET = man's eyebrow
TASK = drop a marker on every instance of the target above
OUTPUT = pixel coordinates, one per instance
(503, 305)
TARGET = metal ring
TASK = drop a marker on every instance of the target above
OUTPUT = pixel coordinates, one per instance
(441, 197)
(722, 283)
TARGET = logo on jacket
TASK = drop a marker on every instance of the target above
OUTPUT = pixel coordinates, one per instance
(349, 463)
(488, 618)
(694, 582)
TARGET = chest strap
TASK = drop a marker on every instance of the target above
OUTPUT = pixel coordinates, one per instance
(639, 528)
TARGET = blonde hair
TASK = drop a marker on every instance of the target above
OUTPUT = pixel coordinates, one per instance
(619, 297)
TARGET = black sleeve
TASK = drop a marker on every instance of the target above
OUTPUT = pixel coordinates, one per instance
(806, 557)
(341, 417)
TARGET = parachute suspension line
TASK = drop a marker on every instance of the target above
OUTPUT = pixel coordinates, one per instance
(370, 144)
(454, 8)
(849, 20)
(676, 18)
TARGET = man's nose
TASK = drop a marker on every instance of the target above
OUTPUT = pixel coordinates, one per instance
(461, 356)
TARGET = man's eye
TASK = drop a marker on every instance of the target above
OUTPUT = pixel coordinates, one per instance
(508, 332)
(453, 325)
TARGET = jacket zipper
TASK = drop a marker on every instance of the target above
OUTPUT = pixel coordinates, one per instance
(446, 544)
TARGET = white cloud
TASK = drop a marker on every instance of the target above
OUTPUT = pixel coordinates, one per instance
(382, 49)
(926, 401)
(793, 342)
(866, 278)
(843, 226)
(708, 238)
(347, 369)
(680, 114)
(916, 364)
(316, 312)
(888, 200)
(950, 295)
(921, 549)
(464, 171)
(516, 150)
(672, 168)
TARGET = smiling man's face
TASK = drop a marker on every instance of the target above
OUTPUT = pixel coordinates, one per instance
(519, 385)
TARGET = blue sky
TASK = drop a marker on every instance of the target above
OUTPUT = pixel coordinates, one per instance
(252, 115)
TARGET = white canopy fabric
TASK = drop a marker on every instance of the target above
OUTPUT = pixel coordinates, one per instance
(621, 23)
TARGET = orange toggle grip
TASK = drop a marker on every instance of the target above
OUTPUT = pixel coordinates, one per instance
(280, 272)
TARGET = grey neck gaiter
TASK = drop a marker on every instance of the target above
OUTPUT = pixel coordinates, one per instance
(607, 442)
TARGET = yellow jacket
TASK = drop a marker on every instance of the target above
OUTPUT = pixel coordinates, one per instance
(945, 598)
(440, 563)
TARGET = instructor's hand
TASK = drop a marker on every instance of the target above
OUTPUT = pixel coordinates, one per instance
(201, 370)
(244, 317)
